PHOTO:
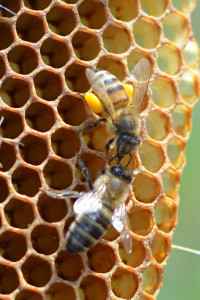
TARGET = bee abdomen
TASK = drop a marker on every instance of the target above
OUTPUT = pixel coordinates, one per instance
(85, 231)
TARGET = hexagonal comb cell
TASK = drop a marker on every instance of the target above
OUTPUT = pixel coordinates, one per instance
(122, 278)
(165, 214)
(60, 290)
(152, 156)
(57, 174)
(163, 92)
(12, 245)
(176, 152)
(61, 20)
(55, 52)
(36, 271)
(75, 78)
(19, 213)
(51, 209)
(34, 149)
(91, 286)
(151, 280)
(85, 44)
(171, 180)
(141, 220)
(124, 11)
(92, 13)
(189, 87)
(72, 110)
(153, 7)
(30, 27)
(40, 116)
(136, 257)
(48, 85)
(159, 247)
(60, 143)
(176, 27)
(101, 258)
(113, 65)
(69, 266)
(45, 239)
(15, 92)
(26, 181)
(116, 38)
(152, 190)
(169, 59)
(8, 278)
(181, 120)
(23, 59)
(143, 28)
(155, 132)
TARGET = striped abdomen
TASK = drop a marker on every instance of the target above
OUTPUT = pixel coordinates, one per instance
(85, 231)
(114, 88)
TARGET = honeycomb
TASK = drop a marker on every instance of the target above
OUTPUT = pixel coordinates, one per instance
(44, 51)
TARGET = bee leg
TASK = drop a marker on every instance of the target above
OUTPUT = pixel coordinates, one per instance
(108, 145)
(10, 11)
(129, 160)
(114, 158)
(86, 173)
(96, 124)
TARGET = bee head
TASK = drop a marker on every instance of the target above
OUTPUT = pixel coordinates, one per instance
(121, 172)
(126, 144)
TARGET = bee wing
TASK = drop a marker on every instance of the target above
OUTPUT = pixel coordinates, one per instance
(65, 194)
(121, 223)
(91, 201)
(141, 73)
(101, 91)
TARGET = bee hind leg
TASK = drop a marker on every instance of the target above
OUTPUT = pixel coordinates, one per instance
(96, 124)
(86, 173)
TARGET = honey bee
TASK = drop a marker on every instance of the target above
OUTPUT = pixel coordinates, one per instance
(123, 121)
(98, 208)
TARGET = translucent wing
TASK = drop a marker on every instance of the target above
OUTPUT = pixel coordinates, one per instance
(121, 223)
(91, 201)
(141, 74)
(65, 194)
(100, 90)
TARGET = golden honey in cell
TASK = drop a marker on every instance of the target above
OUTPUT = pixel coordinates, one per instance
(98, 208)
(124, 113)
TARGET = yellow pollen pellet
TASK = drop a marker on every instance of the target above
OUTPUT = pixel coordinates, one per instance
(129, 89)
(94, 103)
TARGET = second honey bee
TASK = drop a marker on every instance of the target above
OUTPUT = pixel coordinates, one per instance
(98, 208)
(123, 122)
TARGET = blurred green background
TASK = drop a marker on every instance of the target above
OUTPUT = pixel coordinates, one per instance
(182, 274)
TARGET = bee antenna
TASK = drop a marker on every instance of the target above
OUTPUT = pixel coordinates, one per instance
(197, 252)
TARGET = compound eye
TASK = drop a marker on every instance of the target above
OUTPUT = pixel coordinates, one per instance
(137, 140)
(116, 171)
